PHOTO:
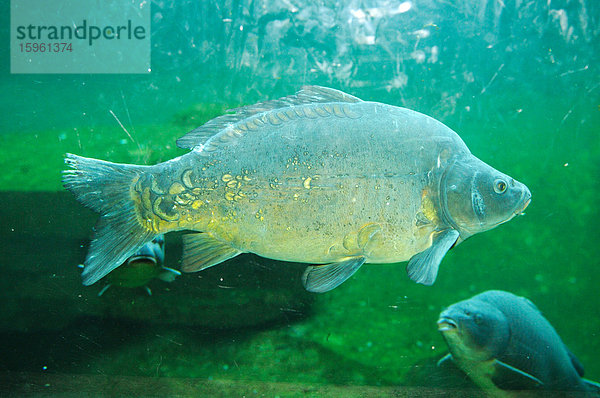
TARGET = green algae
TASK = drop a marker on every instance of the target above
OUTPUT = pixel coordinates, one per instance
(34, 160)
(260, 326)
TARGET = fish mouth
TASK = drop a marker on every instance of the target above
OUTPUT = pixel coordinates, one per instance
(447, 325)
(525, 199)
(135, 259)
(521, 211)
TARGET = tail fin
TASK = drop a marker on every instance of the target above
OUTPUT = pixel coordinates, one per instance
(105, 188)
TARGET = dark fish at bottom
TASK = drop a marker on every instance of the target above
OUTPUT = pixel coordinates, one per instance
(503, 343)
(143, 266)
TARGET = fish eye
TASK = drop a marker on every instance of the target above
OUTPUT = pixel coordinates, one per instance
(500, 186)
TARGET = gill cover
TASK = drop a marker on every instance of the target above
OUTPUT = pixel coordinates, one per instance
(475, 197)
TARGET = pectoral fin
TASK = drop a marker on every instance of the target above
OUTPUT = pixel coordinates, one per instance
(576, 363)
(423, 267)
(201, 251)
(592, 385)
(169, 274)
(445, 360)
(104, 289)
(323, 278)
(507, 377)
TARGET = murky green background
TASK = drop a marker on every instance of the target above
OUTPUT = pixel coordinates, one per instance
(518, 81)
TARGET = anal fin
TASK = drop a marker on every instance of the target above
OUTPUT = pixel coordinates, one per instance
(323, 278)
(201, 251)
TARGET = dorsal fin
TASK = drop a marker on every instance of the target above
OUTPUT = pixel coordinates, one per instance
(308, 95)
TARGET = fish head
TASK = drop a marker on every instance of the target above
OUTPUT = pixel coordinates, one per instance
(143, 266)
(152, 252)
(475, 331)
(475, 197)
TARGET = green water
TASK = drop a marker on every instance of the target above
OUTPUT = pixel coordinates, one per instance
(522, 92)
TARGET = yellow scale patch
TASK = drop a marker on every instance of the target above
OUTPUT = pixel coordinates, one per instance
(159, 208)
(233, 186)
(427, 207)
(306, 182)
(357, 242)
(176, 188)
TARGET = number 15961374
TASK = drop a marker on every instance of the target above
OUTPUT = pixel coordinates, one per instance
(45, 47)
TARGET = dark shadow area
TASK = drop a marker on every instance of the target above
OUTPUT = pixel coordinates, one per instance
(52, 320)
(89, 345)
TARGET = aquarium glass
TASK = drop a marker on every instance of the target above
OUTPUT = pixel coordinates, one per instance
(517, 80)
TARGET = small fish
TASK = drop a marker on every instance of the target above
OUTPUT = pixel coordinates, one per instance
(503, 343)
(320, 177)
(143, 266)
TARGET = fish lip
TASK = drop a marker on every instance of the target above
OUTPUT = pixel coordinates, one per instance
(522, 210)
(133, 259)
(526, 200)
(446, 325)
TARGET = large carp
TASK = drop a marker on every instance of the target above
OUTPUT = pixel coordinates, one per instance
(320, 177)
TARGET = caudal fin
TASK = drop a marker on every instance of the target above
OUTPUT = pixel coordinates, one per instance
(105, 188)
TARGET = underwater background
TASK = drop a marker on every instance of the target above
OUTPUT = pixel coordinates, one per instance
(517, 80)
